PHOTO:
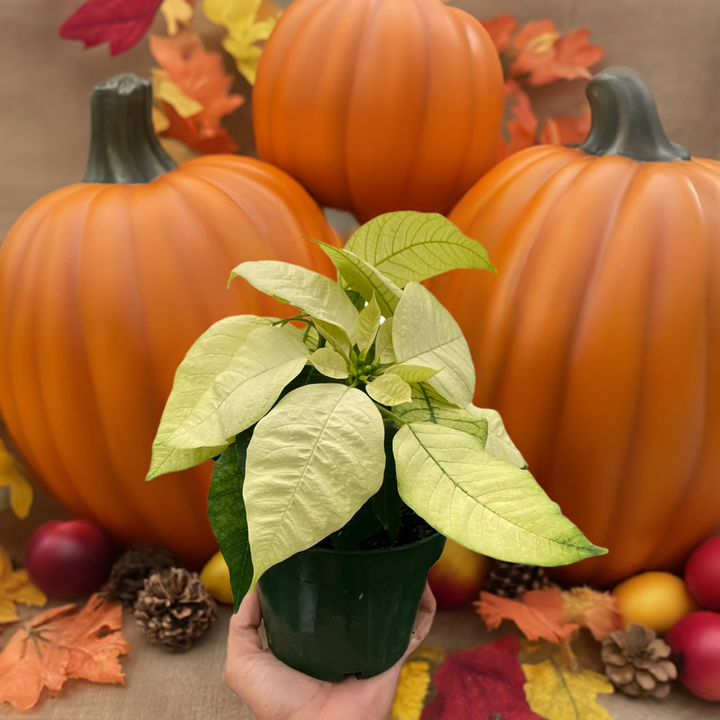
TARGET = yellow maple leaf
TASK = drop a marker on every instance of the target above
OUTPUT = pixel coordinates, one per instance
(15, 587)
(177, 13)
(21, 493)
(248, 23)
(555, 693)
(165, 89)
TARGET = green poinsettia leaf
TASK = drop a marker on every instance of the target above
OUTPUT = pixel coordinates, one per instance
(242, 393)
(386, 502)
(482, 502)
(426, 407)
(425, 333)
(384, 352)
(308, 291)
(313, 461)
(211, 354)
(226, 512)
(363, 278)
(413, 373)
(411, 247)
(330, 363)
(389, 390)
(367, 326)
(498, 443)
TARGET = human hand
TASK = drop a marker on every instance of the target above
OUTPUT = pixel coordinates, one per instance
(274, 691)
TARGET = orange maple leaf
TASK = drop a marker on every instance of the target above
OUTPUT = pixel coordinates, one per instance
(544, 55)
(521, 129)
(60, 645)
(596, 611)
(205, 141)
(198, 73)
(538, 614)
(501, 29)
(566, 130)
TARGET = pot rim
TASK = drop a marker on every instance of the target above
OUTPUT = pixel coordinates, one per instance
(378, 551)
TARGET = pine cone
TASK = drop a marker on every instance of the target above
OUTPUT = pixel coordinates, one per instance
(175, 609)
(511, 580)
(636, 662)
(133, 568)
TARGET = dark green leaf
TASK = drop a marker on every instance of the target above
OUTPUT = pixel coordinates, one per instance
(363, 524)
(226, 512)
(387, 503)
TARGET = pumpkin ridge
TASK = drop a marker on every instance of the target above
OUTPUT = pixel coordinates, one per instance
(527, 216)
(692, 479)
(578, 329)
(112, 462)
(620, 521)
(25, 446)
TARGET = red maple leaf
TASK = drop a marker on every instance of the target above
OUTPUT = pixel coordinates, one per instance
(501, 29)
(122, 23)
(482, 683)
(206, 141)
(566, 130)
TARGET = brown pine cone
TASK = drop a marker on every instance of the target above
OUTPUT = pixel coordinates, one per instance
(134, 567)
(636, 662)
(175, 609)
(511, 580)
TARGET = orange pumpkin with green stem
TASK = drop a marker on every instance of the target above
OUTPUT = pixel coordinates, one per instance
(379, 105)
(599, 338)
(104, 285)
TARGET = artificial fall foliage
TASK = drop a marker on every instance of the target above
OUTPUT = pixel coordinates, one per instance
(552, 614)
(21, 493)
(538, 54)
(483, 683)
(555, 692)
(194, 90)
(15, 587)
(120, 23)
(414, 682)
(177, 14)
(60, 645)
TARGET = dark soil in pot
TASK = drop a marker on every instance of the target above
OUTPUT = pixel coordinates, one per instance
(334, 613)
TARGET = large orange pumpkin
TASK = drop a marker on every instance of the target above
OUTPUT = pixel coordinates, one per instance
(599, 338)
(379, 105)
(104, 286)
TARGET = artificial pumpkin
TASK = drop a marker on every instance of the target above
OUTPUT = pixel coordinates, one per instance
(105, 284)
(379, 105)
(599, 338)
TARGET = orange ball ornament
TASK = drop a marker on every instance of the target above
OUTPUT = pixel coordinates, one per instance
(599, 338)
(379, 105)
(104, 285)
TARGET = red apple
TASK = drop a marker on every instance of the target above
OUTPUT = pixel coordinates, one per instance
(70, 559)
(702, 574)
(456, 578)
(695, 642)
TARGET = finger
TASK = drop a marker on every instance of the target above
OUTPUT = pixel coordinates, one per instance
(245, 624)
(423, 621)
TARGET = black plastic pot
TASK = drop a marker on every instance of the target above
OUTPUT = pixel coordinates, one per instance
(331, 614)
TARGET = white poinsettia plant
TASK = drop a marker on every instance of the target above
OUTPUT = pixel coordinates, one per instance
(302, 411)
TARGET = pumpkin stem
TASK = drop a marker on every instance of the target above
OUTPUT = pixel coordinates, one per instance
(123, 145)
(625, 119)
